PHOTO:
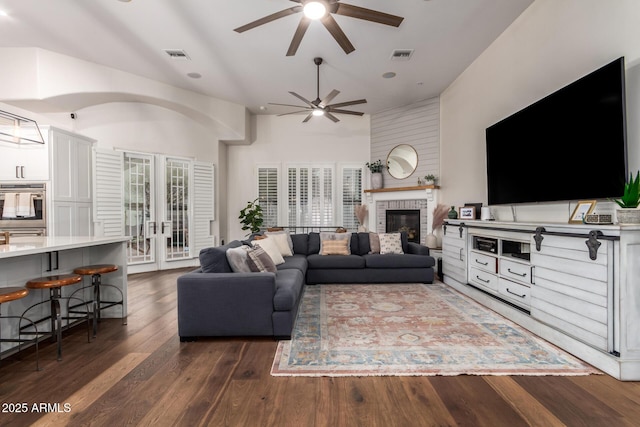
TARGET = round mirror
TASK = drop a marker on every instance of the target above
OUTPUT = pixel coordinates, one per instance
(402, 161)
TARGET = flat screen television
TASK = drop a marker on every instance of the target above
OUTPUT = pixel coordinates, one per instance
(570, 145)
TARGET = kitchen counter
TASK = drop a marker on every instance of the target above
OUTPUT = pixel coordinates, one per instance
(26, 258)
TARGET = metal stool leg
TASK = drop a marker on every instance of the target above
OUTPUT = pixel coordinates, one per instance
(56, 318)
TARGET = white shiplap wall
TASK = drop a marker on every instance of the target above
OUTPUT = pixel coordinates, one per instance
(417, 125)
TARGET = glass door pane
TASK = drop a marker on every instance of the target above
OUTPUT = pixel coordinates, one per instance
(175, 228)
(139, 208)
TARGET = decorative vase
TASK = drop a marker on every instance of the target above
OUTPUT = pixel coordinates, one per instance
(453, 214)
(376, 180)
(431, 241)
(628, 216)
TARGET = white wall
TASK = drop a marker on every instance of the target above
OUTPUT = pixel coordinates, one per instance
(282, 140)
(553, 43)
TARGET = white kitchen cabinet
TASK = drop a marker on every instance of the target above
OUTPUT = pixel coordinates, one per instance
(72, 219)
(24, 162)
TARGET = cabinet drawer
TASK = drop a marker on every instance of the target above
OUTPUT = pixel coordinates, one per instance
(484, 279)
(483, 262)
(519, 294)
(515, 271)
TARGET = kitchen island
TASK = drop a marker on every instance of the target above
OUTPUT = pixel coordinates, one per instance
(26, 258)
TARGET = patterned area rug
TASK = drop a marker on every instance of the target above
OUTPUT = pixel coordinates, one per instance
(404, 330)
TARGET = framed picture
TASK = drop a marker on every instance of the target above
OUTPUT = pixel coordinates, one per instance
(583, 208)
(467, 212)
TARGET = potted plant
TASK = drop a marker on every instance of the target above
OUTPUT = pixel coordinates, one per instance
(376, 174)
(430, 179)
(629, 212)
(251, 217)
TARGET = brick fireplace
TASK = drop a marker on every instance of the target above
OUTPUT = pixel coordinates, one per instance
(404, 214)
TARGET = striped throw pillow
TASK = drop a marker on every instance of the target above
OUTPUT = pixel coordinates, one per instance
(335, 247)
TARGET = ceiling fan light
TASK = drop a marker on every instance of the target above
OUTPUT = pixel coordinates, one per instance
(318, 112)
(315, 10)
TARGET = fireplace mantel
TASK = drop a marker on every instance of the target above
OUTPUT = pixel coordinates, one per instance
(417, 187)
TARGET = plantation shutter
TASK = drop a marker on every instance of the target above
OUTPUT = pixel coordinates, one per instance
(311, 198)
(108, 211)
(268, 194)
(351, 196)
(203, 206)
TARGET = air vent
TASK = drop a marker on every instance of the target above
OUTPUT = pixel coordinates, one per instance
(401, 54)
(177, 53)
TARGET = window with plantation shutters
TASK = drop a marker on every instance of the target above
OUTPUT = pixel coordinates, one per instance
(351, 195)
(310, 195)
(268, 194)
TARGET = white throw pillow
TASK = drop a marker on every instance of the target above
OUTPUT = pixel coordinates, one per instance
(270, 247)
(237, 258)
(282, 242)
(285, 232)
(390, 243)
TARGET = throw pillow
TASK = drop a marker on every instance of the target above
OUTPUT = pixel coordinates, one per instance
(324, 236)
(282, 236)
(271, 248)
(374, 243)
(239, 259)
(390, 243)
(260, 261)
(335, 247)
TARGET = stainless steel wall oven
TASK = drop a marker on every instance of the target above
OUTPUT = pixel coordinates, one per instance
(23, 209)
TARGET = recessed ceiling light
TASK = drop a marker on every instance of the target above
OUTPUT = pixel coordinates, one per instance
(389, 75)
(315, 9)
(194, 75)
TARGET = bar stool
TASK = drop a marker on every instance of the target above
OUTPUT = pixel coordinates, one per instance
(55, 284)
(96, 272)
(11, 294)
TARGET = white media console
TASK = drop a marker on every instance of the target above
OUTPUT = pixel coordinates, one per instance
(577, 286)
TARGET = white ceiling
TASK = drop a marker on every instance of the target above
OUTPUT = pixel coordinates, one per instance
(251, 68)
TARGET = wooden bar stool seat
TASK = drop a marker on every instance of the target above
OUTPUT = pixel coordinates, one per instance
(11, 294)
(54, 284)
(99, 304)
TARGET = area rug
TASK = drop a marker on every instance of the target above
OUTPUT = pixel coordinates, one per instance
(411, 329)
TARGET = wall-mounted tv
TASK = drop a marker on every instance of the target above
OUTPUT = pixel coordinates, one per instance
(570, 145)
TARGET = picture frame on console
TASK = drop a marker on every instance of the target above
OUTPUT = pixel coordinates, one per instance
(467, 212)
(582, 209)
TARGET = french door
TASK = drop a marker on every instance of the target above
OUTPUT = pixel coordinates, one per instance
(158, 211)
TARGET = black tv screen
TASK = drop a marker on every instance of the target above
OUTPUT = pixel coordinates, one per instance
(570, 145)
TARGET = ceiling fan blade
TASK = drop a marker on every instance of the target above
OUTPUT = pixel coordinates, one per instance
(269, 18)
(328, 98)
(288, 105)
(368, 14)
(297, 36)
(345, 104)
(303, 99)
(332, 26)
(293, 112)
(331, 117)
(353, 113)
(306, 119)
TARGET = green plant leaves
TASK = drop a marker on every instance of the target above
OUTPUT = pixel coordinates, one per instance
(631, 196)
(251, 217)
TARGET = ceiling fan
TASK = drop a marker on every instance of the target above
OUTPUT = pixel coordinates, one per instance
(322, 10)
(322, 107)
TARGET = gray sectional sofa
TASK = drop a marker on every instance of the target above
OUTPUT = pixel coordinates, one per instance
(215, 301)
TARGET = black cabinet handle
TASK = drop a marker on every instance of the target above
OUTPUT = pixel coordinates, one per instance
(482, 263)
(516, 273)
(518, 295)
(482, 280)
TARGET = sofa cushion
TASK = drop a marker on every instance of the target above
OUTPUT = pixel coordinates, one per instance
(364, 246)
(260, 261)
(239, 259)
(300, 243)
(214, 259)
(335, 247)
(270, 247)
(335, 261)
(390, 243)
(374, 243)
(283, 239)
(313, 246)
(398, 261)
(288, 288)
(297, 262)
(325, 236)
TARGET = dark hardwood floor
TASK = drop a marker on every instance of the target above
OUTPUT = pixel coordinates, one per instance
(140, 374)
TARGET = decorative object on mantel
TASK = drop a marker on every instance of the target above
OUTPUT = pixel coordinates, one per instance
(629, 212)
(439, 214)
(430, 179)
(19, 130)
(361, 214)
(376, 174)
(453, 213)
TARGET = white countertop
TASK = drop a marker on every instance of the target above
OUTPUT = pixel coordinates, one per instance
(19, 246)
